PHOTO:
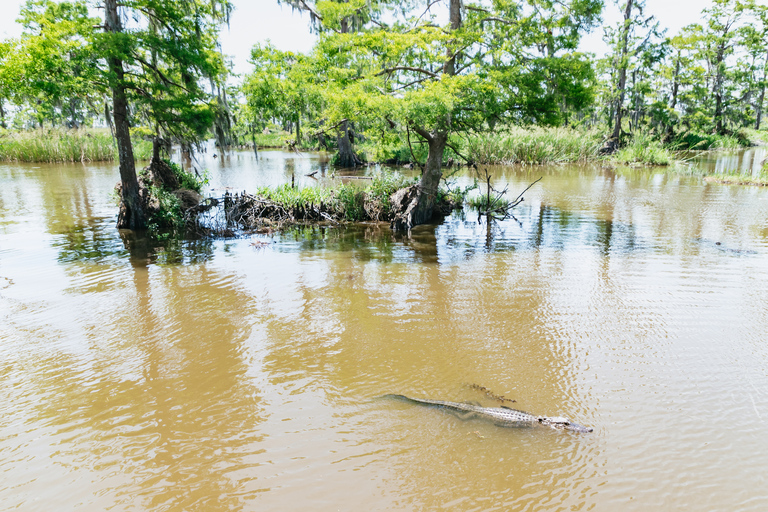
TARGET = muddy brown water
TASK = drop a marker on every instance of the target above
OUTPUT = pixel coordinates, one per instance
(243, 375)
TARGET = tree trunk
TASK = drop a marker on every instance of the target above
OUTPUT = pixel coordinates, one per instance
(347, 156)
(131, 214)
(675, 91)
(762, 95)
(2, 115)
(414, 205)
(449, 68)
(719, 79)
(622, 72)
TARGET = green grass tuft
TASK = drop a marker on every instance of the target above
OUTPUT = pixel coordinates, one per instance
(643, 149)
(533, 146)
(63, 146)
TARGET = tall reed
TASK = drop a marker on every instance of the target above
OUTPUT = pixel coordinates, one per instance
(59, 146)
(534, 146)
(644, 149)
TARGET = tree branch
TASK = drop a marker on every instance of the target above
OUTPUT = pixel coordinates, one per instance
(421, 131)
(406, 68)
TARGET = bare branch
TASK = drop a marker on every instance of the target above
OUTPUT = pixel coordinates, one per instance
(406, 68)
(500, 20)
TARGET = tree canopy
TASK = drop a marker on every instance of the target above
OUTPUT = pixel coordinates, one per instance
(387, 80)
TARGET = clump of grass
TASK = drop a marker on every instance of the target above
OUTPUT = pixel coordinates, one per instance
(272, 140)
(708, 141)
(346, 202)
(187, 179)
(293, 197)
(62, 146)
(736, 177)
(643, 149)
(377, 194)
(533, 146)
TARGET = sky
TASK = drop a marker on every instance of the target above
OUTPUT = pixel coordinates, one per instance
(255, 21)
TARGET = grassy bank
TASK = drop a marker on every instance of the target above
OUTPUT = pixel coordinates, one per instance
(344, 203)
(60, 146)
(534, 146)
(741, 178)
(643, 149)
(744, 137)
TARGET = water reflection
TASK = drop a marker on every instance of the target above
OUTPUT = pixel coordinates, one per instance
(223, 375)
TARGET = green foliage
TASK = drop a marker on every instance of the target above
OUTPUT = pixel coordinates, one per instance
(705, 141)
(346, 202)
(533, 146)
(59, 145)
(56, 63)
(350, 202)
(187, 179)
(168, 218)
(484, 203)
(643, 149)
(280, 87)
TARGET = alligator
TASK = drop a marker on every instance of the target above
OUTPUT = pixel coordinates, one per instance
(501, 416)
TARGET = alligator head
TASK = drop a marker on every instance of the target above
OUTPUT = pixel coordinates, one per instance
(564, 424)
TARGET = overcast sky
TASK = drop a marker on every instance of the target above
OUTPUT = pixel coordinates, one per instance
(256, 21)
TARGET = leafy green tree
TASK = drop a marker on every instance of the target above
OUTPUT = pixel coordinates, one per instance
(161, 65)
(720, 40)
(280, 87)
(10, 75)
(56, 59)
(398, 69)
(754, 39)
(632, 49)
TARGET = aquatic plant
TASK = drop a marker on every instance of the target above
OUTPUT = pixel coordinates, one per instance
(533, 146)
(643, 149)
(708, 141)
(63, 146)
(737, 177)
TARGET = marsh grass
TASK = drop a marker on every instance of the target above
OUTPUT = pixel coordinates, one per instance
(534, 146)
(741, 178)
(482, 202)
(345, 202)
(62, 146)
(272, 140)
(709, 141)
(644, 149)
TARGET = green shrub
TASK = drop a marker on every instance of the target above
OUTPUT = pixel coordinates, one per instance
(187, 179)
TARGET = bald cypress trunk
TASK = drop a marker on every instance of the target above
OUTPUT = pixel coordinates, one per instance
(414, 205)
(622, 73)
(131, 214)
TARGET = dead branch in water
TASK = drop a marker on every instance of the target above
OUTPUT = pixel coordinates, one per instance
(495, 206)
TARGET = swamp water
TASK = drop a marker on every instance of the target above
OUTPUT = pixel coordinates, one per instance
(239, 375)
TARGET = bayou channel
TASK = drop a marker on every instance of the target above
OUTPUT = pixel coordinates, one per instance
(242, 373)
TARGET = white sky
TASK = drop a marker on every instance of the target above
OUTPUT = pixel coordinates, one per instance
(256, 21)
